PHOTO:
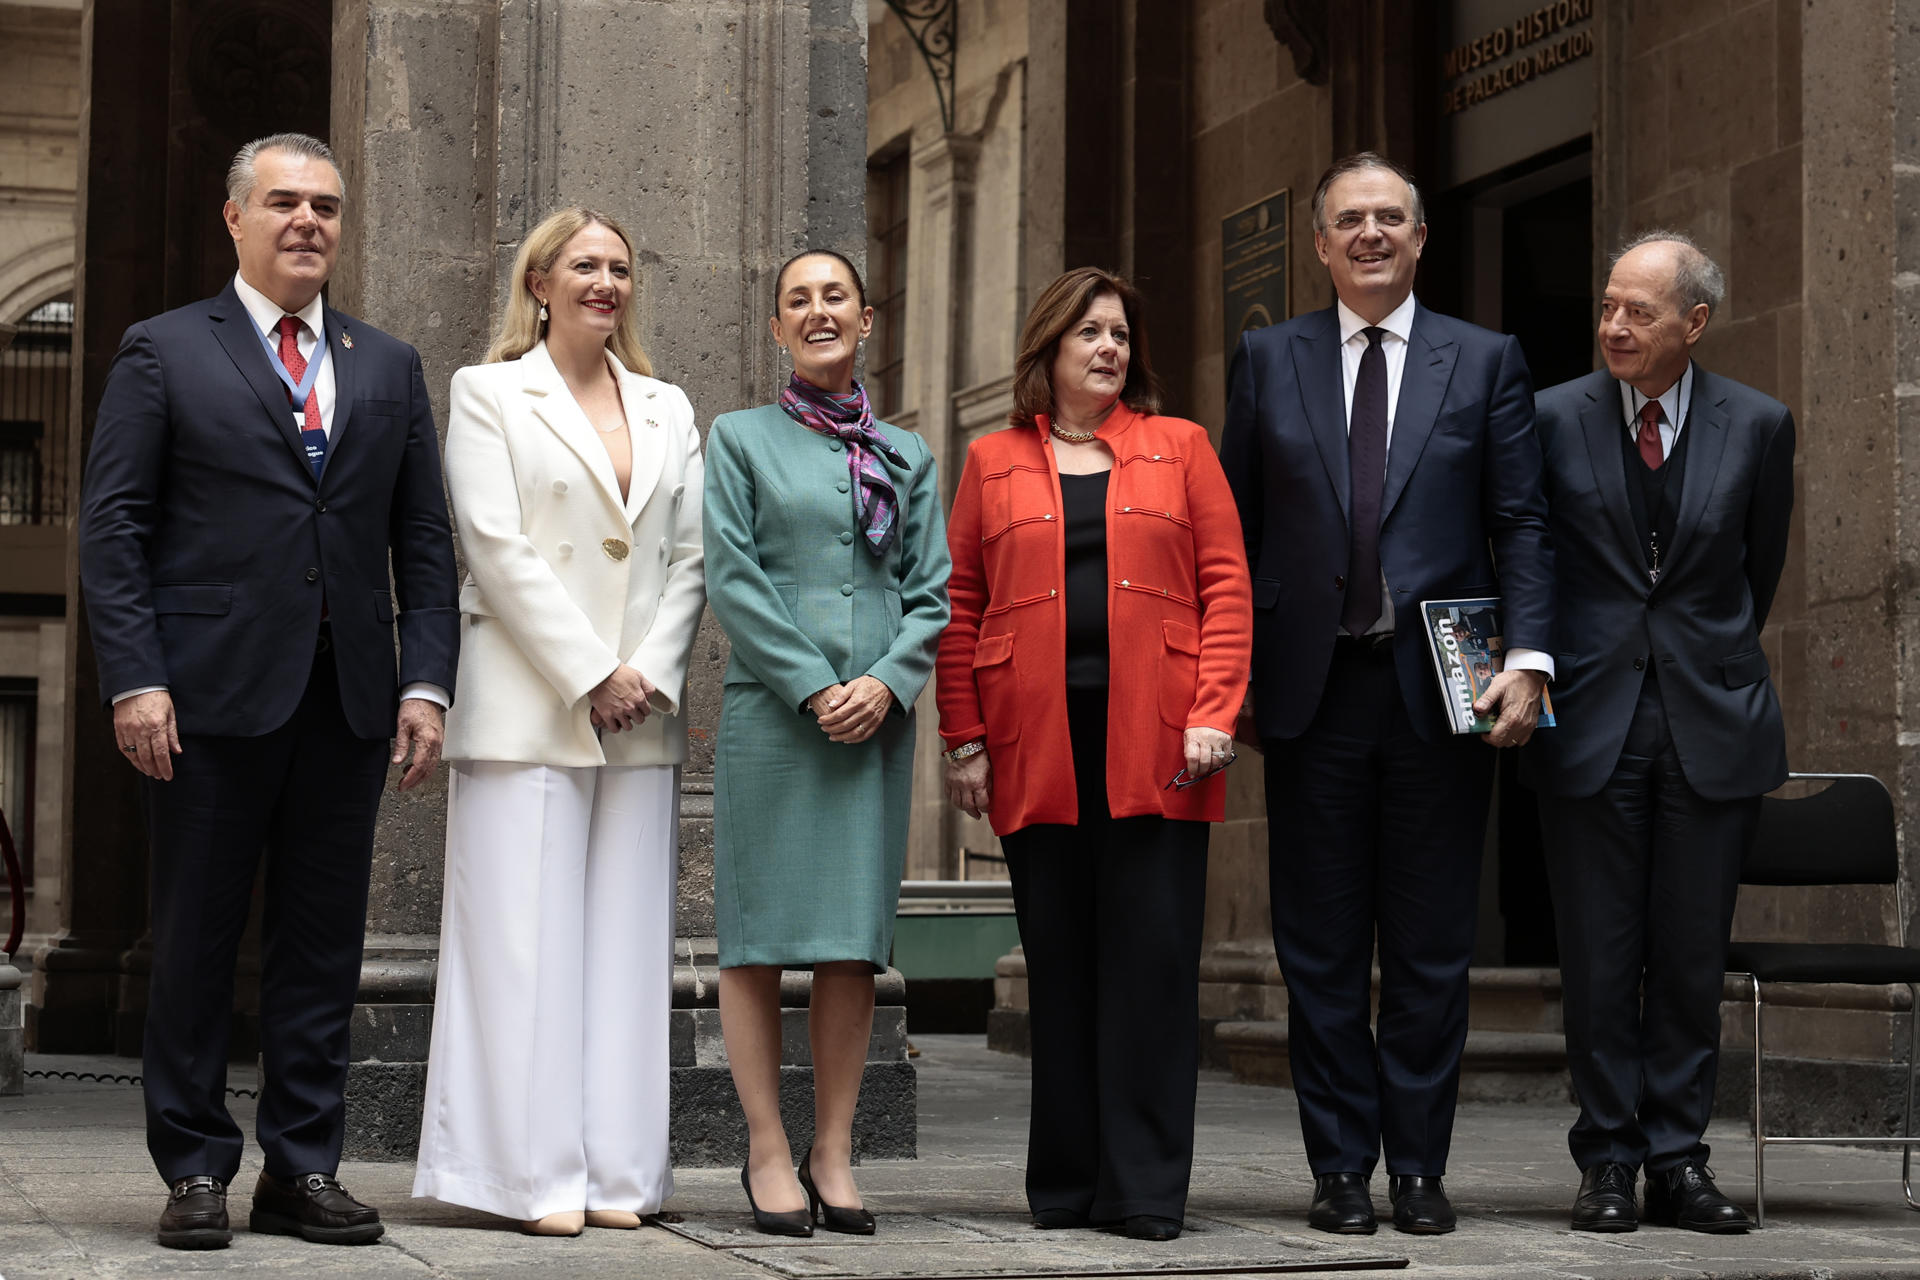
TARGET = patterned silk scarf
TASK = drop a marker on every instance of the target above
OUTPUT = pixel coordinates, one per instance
(849, 418)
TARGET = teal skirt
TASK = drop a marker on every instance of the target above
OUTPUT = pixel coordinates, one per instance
(809, 835)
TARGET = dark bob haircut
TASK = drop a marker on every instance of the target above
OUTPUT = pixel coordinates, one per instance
(1056, 310)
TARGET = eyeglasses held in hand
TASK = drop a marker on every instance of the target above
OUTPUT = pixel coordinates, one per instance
(1182, 780)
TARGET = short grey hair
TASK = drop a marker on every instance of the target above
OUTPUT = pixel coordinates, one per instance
(1355, 163)
(1697, 279)
(241, 175)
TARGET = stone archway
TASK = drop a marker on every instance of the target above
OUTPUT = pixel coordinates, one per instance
(37, 274)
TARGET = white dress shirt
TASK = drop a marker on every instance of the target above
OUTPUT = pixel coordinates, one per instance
(266, 314)
(1393, 345)
(1674, 403)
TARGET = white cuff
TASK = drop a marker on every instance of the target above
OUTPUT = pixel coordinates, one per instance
(119, 698)
(1528, 660)
(427, 693)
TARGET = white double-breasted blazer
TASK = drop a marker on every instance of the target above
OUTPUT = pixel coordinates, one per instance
(565, 579)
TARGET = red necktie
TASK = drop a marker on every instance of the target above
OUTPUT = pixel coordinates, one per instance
(297, 366)
(1650, 451)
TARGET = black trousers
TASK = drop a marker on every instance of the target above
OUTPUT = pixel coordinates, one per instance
(1110, 912)
(305, 795)
(1644, 874)
(1375, 835)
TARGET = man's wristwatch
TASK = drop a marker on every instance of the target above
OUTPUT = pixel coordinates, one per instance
(966, 750)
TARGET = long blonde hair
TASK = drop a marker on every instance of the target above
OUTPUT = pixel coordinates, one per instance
(521, 328)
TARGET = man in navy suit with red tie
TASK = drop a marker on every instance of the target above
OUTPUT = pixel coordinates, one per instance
(1672, 494)
(262, 502)
(1381, 455)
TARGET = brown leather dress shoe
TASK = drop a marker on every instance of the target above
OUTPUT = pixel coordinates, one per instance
(313, 1206)
(196, 1214)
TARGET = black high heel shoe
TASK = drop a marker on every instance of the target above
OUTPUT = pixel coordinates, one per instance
(794, 1222)
(850, 1222)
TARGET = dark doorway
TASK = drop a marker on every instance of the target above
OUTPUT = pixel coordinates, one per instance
(1546, 281)
(1513, 252)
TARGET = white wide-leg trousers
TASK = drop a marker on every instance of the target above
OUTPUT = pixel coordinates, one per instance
(547, 1081)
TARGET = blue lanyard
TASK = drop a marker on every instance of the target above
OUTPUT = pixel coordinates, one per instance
(302, 389)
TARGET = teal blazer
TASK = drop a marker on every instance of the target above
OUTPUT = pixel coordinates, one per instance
(803, 605)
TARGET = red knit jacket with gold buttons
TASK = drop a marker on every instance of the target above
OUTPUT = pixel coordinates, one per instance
(1179, 617)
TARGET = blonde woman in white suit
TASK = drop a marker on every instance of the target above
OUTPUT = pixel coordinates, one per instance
(575, 479)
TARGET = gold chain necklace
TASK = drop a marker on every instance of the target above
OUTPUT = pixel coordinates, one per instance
(1072, 437)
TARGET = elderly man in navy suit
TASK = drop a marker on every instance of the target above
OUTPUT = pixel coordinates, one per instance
(263, 488)
(1381, 455)
(1671, 491)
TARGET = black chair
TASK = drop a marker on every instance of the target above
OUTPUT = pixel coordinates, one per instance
(1842, 834)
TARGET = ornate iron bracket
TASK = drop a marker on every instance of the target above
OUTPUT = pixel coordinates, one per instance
(934, 27)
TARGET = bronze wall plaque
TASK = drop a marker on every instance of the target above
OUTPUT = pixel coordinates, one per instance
(1253, 267)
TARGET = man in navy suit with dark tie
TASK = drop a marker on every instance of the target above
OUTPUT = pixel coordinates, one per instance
(1381, 455)
(1672, 494)
(262, 502)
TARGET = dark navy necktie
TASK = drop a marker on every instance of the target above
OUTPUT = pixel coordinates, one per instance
(1367, 476)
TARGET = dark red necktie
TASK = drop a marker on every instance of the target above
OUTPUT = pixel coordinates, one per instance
(312, 435)
(1650, 451)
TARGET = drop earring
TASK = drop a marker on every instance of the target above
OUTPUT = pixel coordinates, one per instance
(543, 313)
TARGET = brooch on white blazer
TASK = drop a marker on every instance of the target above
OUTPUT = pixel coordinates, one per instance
(615, 549)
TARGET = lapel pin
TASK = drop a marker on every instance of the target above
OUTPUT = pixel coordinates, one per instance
(346, 340)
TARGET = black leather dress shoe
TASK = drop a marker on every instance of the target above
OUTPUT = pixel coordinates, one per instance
(1144, 1226)
(1342, 1205)
(1605, 1202)
(196, 1214)
(1420, 1205)
(1058, 1219)
(313, 1206)
(1684, 1196)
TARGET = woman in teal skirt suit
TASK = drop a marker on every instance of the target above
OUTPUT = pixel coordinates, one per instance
(827, 567)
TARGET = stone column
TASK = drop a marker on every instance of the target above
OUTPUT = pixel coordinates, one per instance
(414, 127)
(77, 975)
(724, 135)
(938, 246)
(13, 1033)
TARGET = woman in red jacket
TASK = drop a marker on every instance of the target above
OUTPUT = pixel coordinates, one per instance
(1088, 683)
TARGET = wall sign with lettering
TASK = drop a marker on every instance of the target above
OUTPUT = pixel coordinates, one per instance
(1253, 261)
(1517, 81)
(1544, 38)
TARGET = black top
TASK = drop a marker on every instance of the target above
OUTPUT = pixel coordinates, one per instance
(1084, 499)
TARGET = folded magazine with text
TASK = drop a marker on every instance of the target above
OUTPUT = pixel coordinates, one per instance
(1464, 637)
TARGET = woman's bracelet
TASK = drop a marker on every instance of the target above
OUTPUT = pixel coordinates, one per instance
(966, 751)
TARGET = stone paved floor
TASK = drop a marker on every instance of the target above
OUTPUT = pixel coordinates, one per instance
(78, 1199)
